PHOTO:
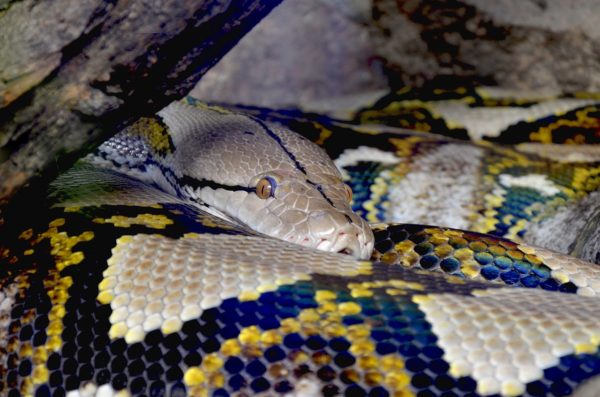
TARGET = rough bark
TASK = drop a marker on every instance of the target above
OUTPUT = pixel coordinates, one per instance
(74, 71)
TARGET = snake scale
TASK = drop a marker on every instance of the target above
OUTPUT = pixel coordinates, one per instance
(152, 269)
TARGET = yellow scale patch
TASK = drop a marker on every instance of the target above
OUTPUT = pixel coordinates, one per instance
(325, 320)
(582, 120)
(149, 220)
(392, 287)
(584, 275)
(420, 110)
(583, 181)
(324, 133)
(57, 288)
(154, 133)
(213, 222)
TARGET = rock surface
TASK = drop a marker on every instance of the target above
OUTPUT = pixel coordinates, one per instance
(304, 51)
(528, 45)
(314, 49)
(72, 72)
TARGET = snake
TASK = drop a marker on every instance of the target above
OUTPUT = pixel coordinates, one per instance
(211, 250)
(270, 179)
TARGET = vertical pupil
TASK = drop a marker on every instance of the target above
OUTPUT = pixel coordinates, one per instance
(265, 188)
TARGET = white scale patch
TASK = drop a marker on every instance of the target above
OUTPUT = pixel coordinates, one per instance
(565, 268)
(155, 282)
(562, 153)
(363, 153)
(91, 389)
(505, 338)
(306, 387)
(539, 94)
(482, 121)
(7, 300)
(539, 182)
(439, 189)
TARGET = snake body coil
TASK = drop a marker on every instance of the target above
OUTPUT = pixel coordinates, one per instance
(126, 283)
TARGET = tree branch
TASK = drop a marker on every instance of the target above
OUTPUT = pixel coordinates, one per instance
(128, 58)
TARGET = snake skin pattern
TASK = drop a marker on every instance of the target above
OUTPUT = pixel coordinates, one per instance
(492, 114)
(541, 194)
(119, 287)
(221, 166)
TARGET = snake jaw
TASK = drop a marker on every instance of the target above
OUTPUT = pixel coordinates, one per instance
(345, 243)
(341, 232)
(317, 224)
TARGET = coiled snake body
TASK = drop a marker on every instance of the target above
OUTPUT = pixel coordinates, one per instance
(129, 284)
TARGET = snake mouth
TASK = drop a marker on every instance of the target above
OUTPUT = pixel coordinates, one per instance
(347, 242)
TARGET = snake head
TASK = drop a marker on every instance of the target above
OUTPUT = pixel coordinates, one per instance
(266, 177)
(315, 213)
(284, 205)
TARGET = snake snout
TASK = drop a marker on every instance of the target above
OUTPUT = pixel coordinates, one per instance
(337, 232)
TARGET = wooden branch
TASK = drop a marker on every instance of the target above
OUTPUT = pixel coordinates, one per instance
(90, 67)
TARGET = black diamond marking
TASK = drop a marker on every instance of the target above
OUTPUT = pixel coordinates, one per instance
(201, 183)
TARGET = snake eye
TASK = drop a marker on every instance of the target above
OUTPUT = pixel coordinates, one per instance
(348, 190)
(265, 188)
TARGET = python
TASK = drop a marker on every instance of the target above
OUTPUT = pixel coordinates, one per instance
(237, 167)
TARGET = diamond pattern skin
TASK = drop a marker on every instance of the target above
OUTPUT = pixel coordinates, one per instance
(119, 289)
